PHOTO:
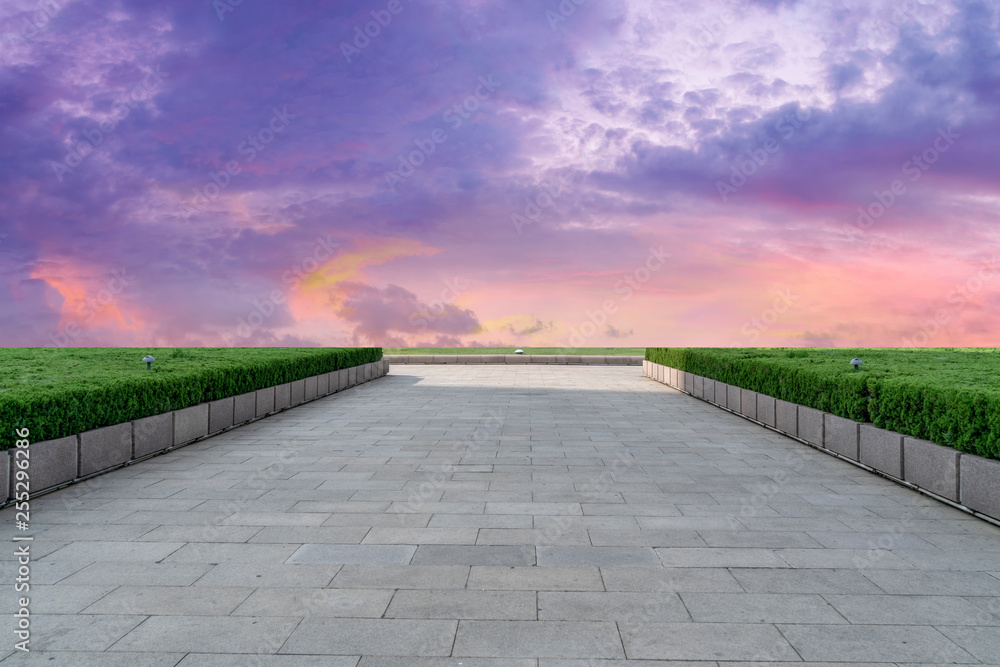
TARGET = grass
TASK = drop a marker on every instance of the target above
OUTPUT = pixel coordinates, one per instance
(62, 391)
(25, 371)
(950, 396)
(588, 351)
(959, 369)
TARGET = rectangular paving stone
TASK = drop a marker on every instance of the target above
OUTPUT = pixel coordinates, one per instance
(536, 579)
(423, 536)
(212, 634)
(549, 536)
(463, 605)
(669, 580)
(322, 602)
(89, 552)
(348, 636)
(911, 610)
(474, 555)
(104, 447)
(77, 632)
(942, 582)
(402, 576)
(267, 575)
(803, 581)
(190, 423)
(541, 639)
(170, 601)
(611, 606)
(980, 642)
(841, 435)
(759, 608)
(137, 574)
(596, 556)
(700, 641)
(721, 558)
(872, 643)
(353, 554)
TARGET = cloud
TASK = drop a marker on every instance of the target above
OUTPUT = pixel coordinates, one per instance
(395, 314)
(612, 332)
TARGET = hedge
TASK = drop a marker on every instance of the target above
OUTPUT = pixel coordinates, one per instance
(96, 397)
(909, 391)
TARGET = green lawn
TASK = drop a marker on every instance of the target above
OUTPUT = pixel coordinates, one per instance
(589, 351)
(61, 391)
(950, 396)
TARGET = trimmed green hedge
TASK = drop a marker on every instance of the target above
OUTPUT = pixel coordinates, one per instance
(105, 386)
(950, 396)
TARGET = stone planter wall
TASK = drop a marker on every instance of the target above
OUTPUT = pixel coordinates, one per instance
(512, 359)
(967, 480)
(55, 463)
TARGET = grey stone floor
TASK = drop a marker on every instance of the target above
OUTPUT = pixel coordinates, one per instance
(503, 515)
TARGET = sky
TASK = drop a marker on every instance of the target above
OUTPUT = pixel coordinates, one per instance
(573, 173)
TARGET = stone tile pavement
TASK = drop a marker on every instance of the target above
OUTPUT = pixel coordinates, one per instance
(551, 516)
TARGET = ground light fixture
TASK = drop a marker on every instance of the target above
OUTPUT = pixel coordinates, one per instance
(856, 362)
(149, 362)
(518, 351)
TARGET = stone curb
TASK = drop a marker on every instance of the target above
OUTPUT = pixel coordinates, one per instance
(64, 461)
(965, 480)
(404, 359)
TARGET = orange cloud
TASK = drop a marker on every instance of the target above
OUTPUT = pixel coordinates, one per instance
(321, 288)
(88, 301)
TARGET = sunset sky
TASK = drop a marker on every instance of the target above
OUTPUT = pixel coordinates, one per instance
(499, 172)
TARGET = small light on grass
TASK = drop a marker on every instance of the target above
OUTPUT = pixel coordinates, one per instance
(149, 362)
(856, 362)
(518, 351)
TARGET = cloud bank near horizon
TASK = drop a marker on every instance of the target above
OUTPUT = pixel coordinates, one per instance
(403, 172)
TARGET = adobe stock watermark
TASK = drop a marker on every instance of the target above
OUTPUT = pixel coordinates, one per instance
(92, 307)
(34, 25)
(363, 38)
(456, 115)
(80, 151)
(746, 167)
(436, 309)
(707, 33)
(254, 145)
(264, 307)
(629, 284)
(901, 13)
(913, 169)
(957, 298)
(534, 206)
(755, 326)
(561, 13)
